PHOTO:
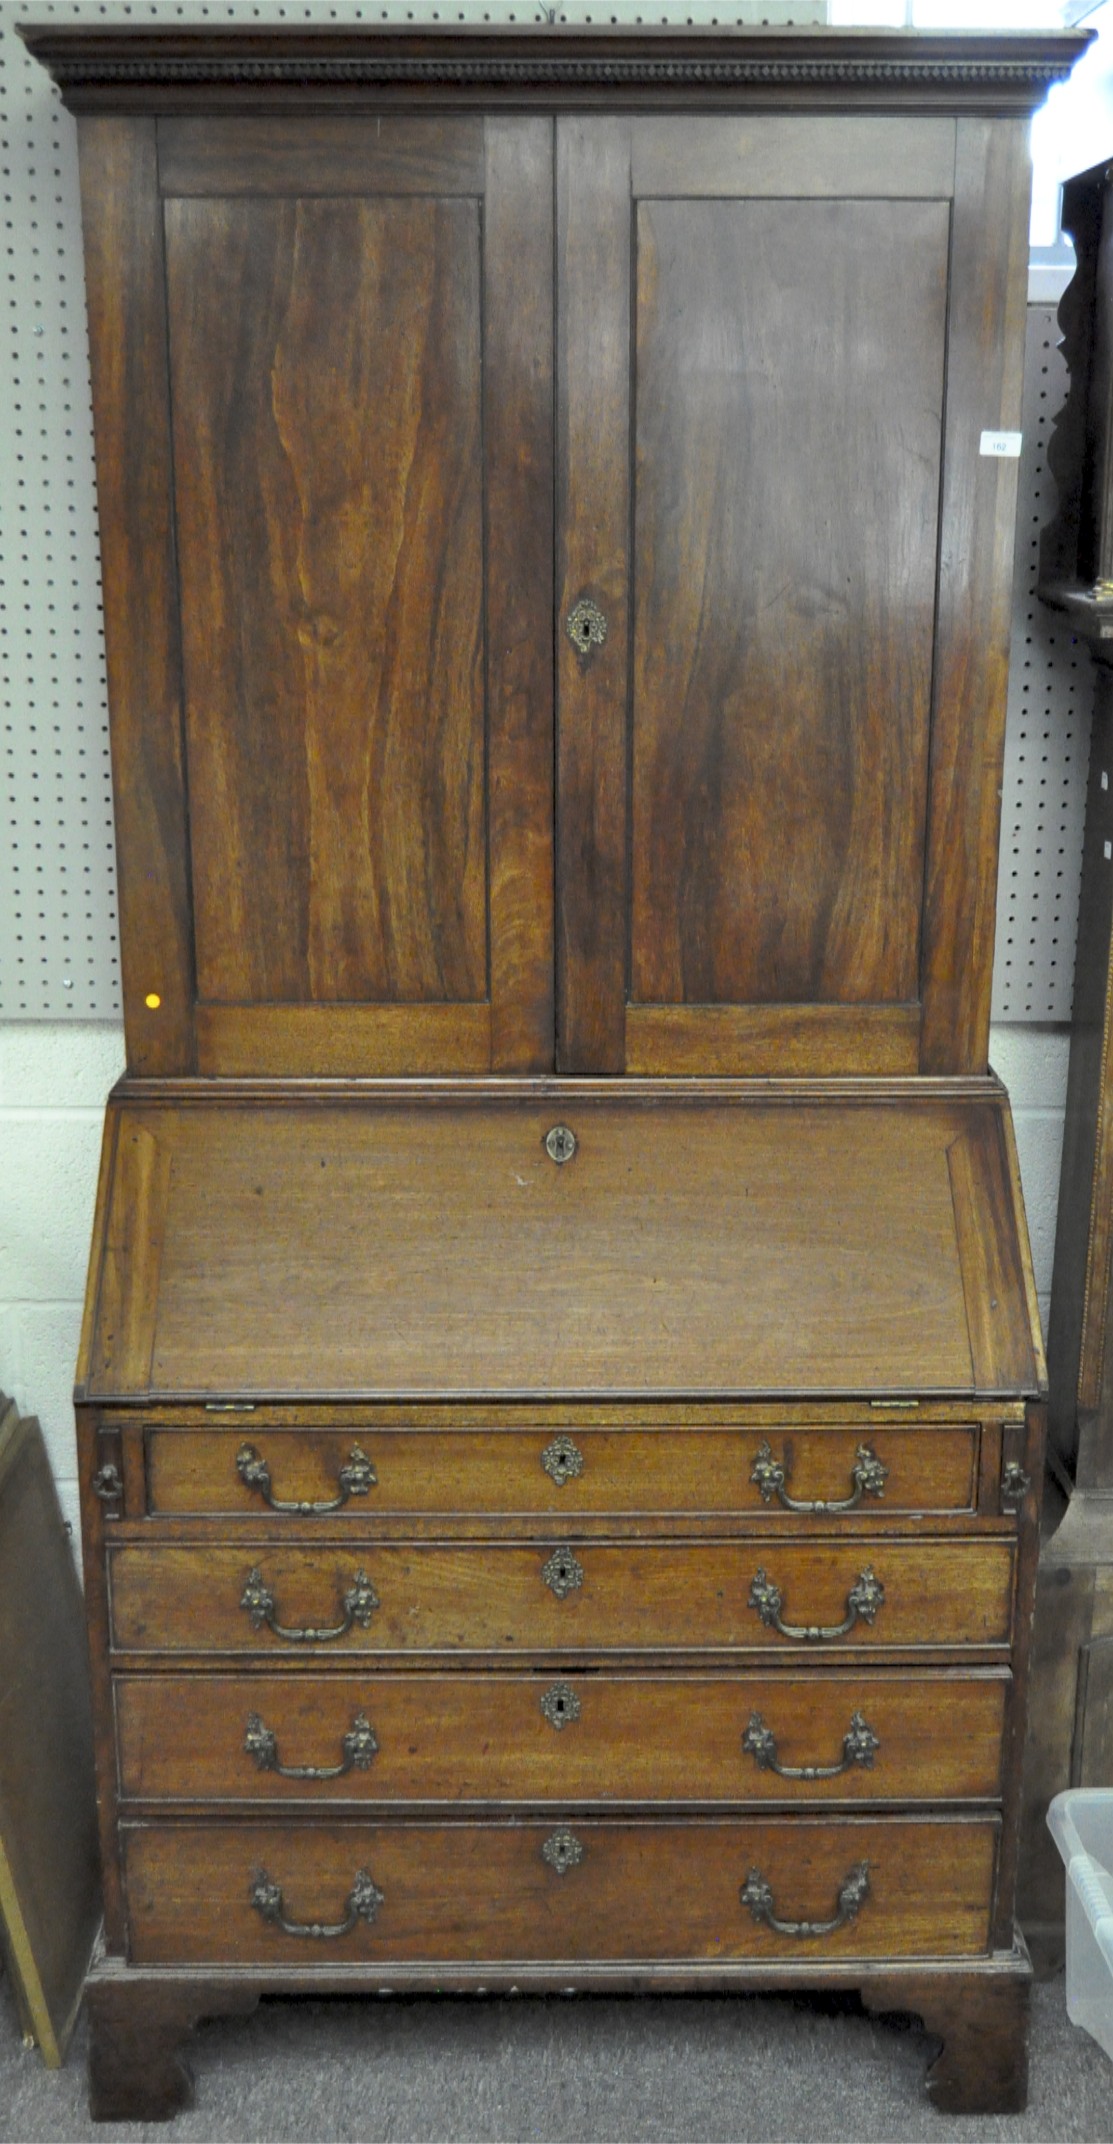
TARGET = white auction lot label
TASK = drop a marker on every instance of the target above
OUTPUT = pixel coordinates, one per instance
(1005, 445)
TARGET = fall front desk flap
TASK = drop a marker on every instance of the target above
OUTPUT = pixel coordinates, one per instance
(571, 1244)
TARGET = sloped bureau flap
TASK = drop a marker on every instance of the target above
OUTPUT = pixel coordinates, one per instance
(688, 1246)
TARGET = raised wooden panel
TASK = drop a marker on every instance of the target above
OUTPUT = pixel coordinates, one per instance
(329, 505)
(321, 155)
(327, 1041)
(773, 1041)
(805, 157)
(790, 386)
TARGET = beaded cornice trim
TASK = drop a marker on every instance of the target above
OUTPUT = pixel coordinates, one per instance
(87, 72)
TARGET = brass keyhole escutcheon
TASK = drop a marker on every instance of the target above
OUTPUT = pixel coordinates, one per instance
(560, 1143)
(560, 1705)
(586, 626)
(563, 1573)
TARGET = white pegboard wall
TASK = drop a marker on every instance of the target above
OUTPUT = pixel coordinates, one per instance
(1047, 736)
(58, 952)
(58, 946)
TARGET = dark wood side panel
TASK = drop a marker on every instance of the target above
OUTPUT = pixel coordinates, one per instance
(518, 390)
(123, 1332)
(334, 155)
(84, 1365)
(95, 1523)
(997, 1300)
(1084, 1235)
(127, 340)
(49, 1891)
(988, 293)
(325, 359)
(789, 400)
(1027, 1447)
(593, 493)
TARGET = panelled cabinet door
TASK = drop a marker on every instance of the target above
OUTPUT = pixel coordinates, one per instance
(328, 482)
(783, 584)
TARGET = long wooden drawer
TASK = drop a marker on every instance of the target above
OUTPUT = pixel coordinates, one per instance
(365, 1471)
(868, 1887)
(866, 1735)
(492, 1596)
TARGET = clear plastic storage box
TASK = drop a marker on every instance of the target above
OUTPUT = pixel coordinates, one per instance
(1081, 1823)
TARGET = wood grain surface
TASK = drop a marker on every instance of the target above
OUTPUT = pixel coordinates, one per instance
(803, 158)
(518, 358)
(489, 1470)
(493, 1597)
(785, 537)
(325, 154)
(592, 529)
(125, 291)
(484, 1891)
(772, 1041)
(484, 1738)
(777, 1247)
(329, 503)
(985, 359)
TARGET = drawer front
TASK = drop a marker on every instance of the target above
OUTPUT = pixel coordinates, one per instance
(272, 1895)
(863, 1736)
(365, 1471)
(492, 1597)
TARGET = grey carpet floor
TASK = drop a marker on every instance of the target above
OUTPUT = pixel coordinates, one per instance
(775, 2070)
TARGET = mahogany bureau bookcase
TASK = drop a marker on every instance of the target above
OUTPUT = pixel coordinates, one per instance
(560, 1396)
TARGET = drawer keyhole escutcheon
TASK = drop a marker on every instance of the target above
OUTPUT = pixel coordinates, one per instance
(865, 1597)
(560, 1143)
(563, 1573)
(562, 1460)
(859, 1746)
(560, 1705)
(362, 1904)
(563, 1851)
(358, 1750)
(854, 1890)
(356, 1477)
(359, 1604)
(586, 626)
(867, 1475)
(108, 1483)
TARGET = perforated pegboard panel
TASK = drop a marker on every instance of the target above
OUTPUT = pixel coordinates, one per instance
(58, 950)
(58, 946)
(1047, 738)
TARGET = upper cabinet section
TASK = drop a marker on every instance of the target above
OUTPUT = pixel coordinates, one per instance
(434, 371)
(323, 381)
